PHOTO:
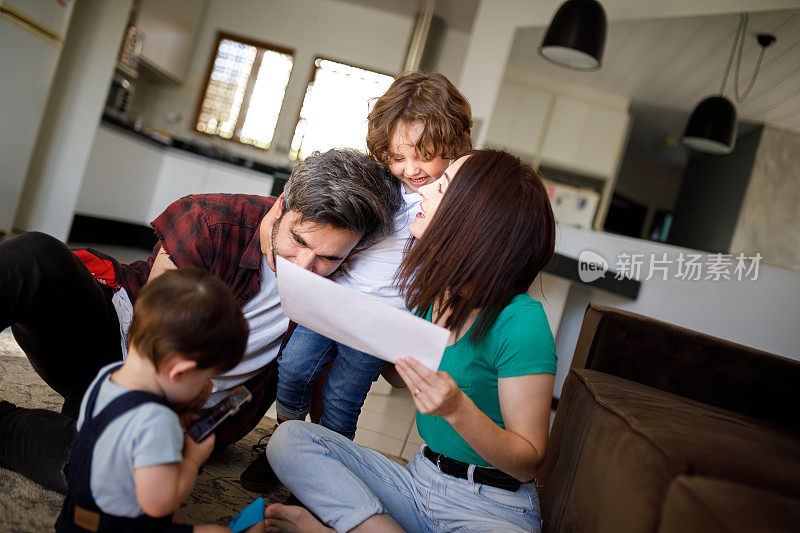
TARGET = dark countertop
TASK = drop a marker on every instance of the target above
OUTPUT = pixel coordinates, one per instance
(281, 174)
(566, 267)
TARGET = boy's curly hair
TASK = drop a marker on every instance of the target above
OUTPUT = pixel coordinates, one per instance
(431, 100)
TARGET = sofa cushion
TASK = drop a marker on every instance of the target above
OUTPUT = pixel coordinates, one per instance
(705, 505)
(690, 364)
(616, 447)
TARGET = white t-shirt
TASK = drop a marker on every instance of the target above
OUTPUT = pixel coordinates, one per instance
(149, 435)
(371, 271)
(267, 325)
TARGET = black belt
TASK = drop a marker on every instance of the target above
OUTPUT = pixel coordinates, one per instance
(485, 476)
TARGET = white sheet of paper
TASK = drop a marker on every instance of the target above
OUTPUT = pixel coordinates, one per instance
(356, 320)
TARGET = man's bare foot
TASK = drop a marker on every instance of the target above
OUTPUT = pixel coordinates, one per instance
(291, 519)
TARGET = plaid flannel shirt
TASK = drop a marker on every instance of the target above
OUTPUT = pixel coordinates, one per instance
(214, 232)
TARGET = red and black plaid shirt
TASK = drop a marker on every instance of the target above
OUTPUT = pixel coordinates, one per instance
(214, 232)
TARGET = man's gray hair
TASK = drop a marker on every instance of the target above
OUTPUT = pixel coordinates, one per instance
(348, 190)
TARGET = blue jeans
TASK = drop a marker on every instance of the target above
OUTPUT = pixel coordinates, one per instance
(344, 484)
(303, 358)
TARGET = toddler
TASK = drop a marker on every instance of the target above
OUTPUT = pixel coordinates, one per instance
(131, 465)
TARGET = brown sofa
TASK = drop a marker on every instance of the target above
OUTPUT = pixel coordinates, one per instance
(663, 429)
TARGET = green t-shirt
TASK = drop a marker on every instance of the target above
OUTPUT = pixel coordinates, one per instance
(518, 343)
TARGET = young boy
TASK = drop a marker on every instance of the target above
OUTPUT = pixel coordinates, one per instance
(131, 465)
(416, 128)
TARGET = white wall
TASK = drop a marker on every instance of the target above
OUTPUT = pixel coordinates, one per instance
(763, 314)
(341, 31)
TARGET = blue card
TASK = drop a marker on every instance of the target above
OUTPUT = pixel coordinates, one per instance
(249, 516)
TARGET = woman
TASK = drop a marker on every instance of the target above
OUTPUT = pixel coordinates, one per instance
(485, 232)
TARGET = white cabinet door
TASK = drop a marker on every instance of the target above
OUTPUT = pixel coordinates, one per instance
(503, 116)
(604, 133)
(51, 14)
(532, 110)
(180, 175)
(27, 65)
(121, 177)
(258, 185)
(519, 118)
(225, 178)
(564, 135)
(169, 29)
(585, 137)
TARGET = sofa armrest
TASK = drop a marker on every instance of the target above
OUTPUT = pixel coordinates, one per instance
(690, 364)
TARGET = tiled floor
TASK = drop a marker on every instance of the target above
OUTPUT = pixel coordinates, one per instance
(387, 423)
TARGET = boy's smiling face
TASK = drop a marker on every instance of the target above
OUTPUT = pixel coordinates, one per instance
(406, 164)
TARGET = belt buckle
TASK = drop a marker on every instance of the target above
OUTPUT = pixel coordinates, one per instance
(438, 465)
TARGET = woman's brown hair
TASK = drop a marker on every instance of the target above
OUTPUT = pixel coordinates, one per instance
(492, 234)
(427, 98)
(192, 313)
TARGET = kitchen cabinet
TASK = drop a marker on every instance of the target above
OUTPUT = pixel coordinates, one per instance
(181, 174)
(571, 129)
(121, 176)
(29, 54)
(520, 118)
(131, 179)
(565, 132)
(169, 30)
(223, 178)
(584, 137)
(43, 13)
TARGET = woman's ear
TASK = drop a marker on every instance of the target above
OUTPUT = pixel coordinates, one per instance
(177, 366)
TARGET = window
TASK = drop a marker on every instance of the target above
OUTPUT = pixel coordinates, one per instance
(244, 91)
(335, 108)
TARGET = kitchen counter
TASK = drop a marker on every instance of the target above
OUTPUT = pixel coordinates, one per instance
(760, 313)
(281, 174)
(131, 177)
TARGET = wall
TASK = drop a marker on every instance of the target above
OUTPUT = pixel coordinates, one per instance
(711, 197)
(760, 313)
(768, 221)
(361, 36)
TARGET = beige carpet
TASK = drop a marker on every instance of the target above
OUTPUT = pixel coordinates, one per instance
(24, 506)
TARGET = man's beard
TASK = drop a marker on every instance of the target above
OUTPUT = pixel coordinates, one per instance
(273, 238)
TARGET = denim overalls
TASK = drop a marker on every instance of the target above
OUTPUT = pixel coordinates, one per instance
(80, 513)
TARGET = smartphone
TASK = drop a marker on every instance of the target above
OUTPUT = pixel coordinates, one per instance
(205, 425)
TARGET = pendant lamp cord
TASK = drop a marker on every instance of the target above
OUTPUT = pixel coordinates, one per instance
(740, 98)
(738, 46)
(733, 53)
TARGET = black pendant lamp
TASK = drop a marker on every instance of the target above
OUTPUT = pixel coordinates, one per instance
(576, 35)
(712, 126)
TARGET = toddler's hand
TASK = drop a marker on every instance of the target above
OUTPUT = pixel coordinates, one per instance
(187, 419)
(198, 452)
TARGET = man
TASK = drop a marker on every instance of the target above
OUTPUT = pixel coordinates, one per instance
(69, 311)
